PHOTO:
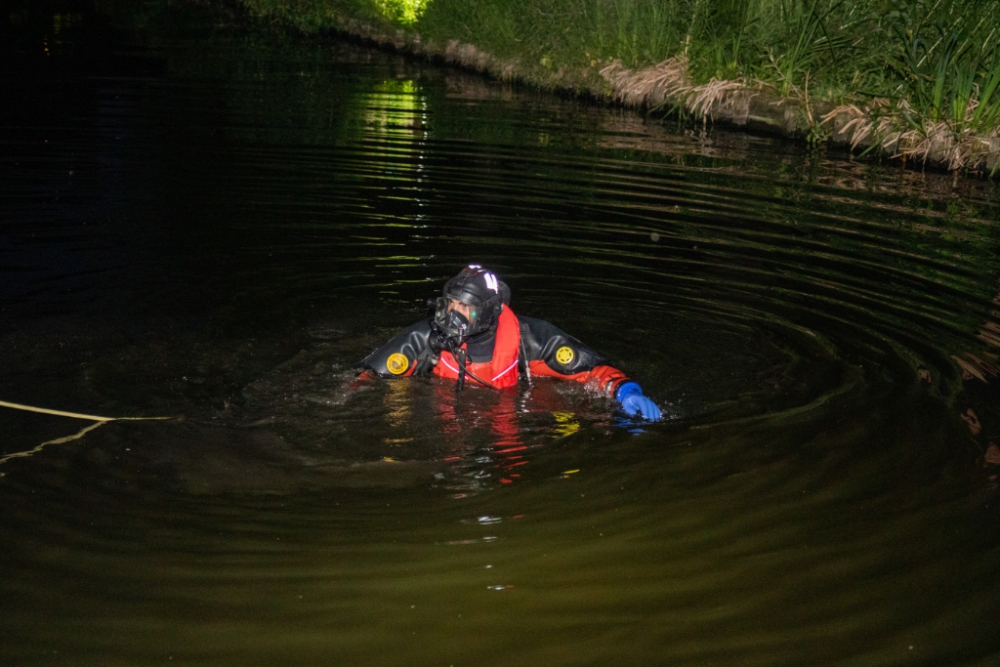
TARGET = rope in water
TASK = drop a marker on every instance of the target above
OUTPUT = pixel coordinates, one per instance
(101, 421)
(76, 415)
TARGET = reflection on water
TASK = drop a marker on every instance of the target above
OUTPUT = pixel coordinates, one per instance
(217, 223)
(396, 105)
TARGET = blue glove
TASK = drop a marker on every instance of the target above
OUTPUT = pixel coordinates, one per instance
(630, 396)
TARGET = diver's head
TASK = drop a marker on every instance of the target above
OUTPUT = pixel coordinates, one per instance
(470, 303)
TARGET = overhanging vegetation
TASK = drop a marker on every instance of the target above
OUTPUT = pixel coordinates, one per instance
(914, 78)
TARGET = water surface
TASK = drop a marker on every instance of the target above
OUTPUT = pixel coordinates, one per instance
(213, 221)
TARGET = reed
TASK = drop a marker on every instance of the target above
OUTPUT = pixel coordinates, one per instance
(986, 113)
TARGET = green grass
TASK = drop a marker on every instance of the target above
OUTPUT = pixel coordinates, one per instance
(940, 56)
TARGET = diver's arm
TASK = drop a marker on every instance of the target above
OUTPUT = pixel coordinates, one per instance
(550, 352)
(405, 354)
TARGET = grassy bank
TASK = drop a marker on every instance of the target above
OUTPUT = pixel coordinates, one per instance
(915, 78)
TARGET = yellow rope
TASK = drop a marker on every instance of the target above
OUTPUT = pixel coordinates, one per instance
(76, 415)
(101, 421)
(57, 441)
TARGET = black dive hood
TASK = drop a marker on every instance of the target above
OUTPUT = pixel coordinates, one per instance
(481, 291)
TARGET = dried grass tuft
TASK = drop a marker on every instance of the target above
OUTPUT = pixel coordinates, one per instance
(650, 86)
(668, 82)
(858, 126)
(895, 131)
(731, 96)
(877, 123)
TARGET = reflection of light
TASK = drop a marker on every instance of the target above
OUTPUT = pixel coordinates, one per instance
(397, 109)
(406, 12)
(396, 104)
(566, 425)
(62, 22)
(398, 401)
(396, 119)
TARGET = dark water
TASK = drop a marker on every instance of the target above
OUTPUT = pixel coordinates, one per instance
(211, 221)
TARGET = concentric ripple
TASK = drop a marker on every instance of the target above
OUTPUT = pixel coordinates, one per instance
(218, 228)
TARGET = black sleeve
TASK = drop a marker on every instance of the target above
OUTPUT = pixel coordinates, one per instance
(406, 353)
(561, 352)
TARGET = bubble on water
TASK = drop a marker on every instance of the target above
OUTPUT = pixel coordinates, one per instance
(654, 237)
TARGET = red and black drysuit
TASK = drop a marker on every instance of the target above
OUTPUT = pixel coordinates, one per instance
(497, 356)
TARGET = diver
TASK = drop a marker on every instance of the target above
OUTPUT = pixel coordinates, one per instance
(474, 336)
